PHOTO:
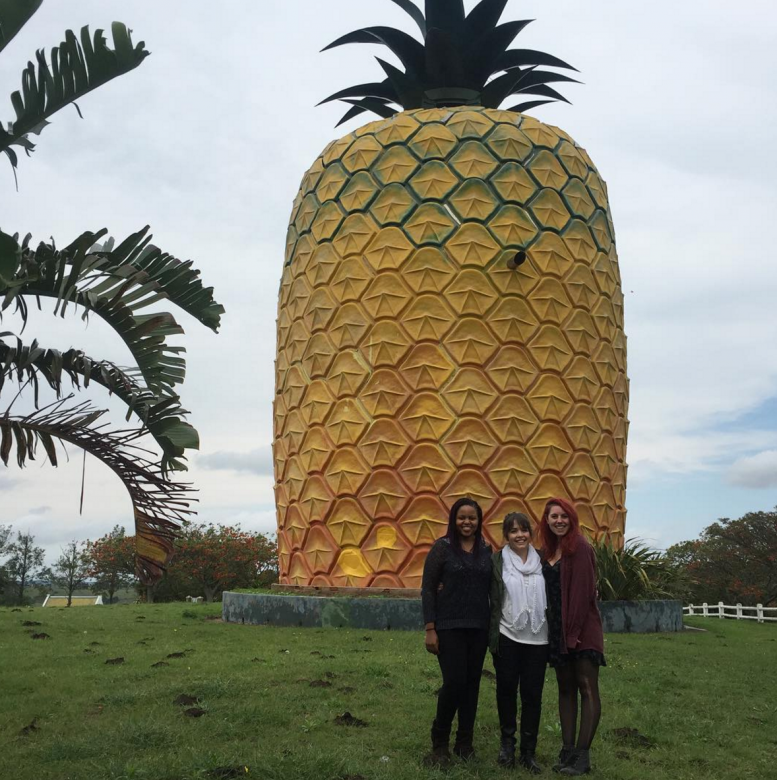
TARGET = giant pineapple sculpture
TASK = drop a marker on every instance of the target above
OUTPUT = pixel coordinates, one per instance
(450, 319)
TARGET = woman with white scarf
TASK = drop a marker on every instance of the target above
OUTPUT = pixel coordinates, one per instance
(518, 639)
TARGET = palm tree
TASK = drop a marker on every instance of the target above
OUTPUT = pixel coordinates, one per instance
(116, 283)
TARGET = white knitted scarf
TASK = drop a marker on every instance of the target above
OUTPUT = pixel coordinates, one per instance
(525, 589)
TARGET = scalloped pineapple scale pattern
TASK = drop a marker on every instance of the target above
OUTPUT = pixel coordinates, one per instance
(415, 366)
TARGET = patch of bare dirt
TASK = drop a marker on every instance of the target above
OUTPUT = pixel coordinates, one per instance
(194, 712)
(320, 684)
(213, 619)
(628, 737)
(30, 728)
(256, 660)
(176, 655)
(159, 663)
(346, 719)
(488, 674)
(31, 623)
(115, 661)
(42, 635)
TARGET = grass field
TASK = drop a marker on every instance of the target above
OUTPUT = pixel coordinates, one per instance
(687, 706)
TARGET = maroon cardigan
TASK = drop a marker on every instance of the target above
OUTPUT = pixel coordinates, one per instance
(580, 618)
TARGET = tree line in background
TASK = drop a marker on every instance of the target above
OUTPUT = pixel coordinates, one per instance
(208, 559)
(733, 561)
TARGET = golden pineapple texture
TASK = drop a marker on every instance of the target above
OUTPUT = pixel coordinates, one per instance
(416, 366)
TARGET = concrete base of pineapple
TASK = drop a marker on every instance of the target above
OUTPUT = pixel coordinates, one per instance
(387, 613)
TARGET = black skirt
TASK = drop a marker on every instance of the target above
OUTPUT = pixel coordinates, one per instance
(556, 657)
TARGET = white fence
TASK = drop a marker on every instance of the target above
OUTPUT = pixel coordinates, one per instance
(736, 612)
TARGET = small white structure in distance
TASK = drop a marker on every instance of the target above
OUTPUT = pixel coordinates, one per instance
(75, 601)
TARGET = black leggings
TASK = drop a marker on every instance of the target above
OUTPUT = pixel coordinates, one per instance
(579, 675)
(519, 664)
(461, 656)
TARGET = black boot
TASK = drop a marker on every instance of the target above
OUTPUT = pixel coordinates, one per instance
(528, 748)
(440, 755)
(579, 764)
(527, 761)
(506, 756)
(463, 745)
(564, 756)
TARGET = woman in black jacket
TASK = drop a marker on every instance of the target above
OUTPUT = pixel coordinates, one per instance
(454, 594)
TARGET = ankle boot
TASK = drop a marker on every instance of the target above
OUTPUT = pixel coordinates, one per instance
(440, 755)
(528, 749)
(527, 761)
(579, 764)
(564, 755)
(463, 746)
(506, 756)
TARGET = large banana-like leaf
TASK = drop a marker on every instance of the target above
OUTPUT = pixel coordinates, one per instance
(75, 69)
(177, 279)
(77, 276)
(159, 505)
(161, 418)
(14, 14)
(116, 284)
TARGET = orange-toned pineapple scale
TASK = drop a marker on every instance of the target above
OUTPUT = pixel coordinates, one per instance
(415, 366)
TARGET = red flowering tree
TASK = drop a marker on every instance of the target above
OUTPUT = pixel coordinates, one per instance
(111, 562)
(734, 561)
(210, 559)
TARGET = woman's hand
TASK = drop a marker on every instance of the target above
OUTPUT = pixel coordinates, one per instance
(432, 642)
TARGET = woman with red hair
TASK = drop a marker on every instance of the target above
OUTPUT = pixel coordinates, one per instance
(575, 637)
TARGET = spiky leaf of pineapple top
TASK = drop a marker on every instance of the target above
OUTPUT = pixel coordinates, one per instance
(455, 63)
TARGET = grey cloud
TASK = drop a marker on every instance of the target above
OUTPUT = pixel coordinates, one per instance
(756, 471)
(6, 483)
(258, 461)
(39, 510)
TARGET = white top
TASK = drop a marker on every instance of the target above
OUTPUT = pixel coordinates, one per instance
(524, 635)
(523, 611)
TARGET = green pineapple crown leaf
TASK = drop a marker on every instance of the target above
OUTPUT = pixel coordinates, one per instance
(455, 63)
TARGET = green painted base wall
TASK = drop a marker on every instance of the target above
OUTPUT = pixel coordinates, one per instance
(383, 614)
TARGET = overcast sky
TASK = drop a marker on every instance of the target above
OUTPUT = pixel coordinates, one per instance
(207, 142)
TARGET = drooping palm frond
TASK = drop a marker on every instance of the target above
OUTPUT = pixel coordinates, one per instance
(160, 506)
(116, 284)
(161, 418)
(456, 64)
(74, 69)
(14, 14)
